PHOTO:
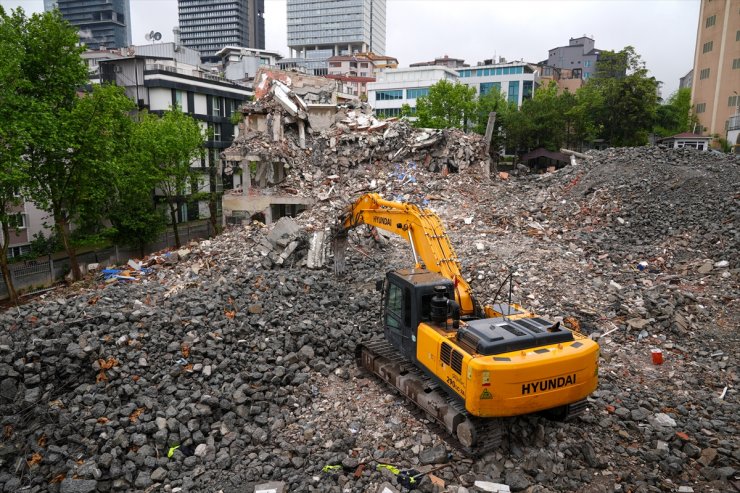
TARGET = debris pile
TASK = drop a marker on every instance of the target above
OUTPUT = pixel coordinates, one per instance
(227, 370)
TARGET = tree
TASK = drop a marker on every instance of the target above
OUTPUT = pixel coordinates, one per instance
(166, 146)
(74, 160)
(446, 106)
(13, 135)
(676, 115)
(621, 98)
(493, 101)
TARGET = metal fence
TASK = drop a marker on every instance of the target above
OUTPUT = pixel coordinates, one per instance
(40, 273)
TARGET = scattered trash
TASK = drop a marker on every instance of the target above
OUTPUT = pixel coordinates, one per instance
(723, 393)
(492, 487)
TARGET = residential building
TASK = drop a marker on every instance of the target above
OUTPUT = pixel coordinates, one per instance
(163, 75)
(443, 61)
(563, 77)
(320, 29)
(716, 81)
(579, 55)
(208, 26)
(687, 80)
(351, 87)
(517, 80)
(353, 65)
(394, 88)
(241, 64)
(102, 24)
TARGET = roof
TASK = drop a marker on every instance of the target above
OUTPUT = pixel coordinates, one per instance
(687, 135)
(350, 78)
(542, 152)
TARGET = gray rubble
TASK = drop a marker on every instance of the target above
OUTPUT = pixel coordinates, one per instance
(224, 369)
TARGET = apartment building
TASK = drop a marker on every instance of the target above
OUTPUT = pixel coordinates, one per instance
(394, 88)
(715, 89)
(517, 80)
(102, 24)
(579, 55)
(209, 25)
(163, 75)
(444, 61)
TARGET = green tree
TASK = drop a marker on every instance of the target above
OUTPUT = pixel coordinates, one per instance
(74, 160)
(446, 106)
(165, 147)
(621, 98)
(13, 135)
(493, 101)
(676, 115)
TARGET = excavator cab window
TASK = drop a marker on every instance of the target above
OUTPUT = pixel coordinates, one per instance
(393, 311)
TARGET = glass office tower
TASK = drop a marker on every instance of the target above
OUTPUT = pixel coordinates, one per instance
(101, 23)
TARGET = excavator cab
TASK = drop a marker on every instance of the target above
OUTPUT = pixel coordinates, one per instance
(407, 302)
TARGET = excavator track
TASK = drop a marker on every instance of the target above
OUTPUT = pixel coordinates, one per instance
(475, 436)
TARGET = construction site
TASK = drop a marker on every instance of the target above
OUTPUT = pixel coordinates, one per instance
(230, 365)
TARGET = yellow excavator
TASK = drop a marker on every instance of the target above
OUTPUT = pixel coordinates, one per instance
(468, 366)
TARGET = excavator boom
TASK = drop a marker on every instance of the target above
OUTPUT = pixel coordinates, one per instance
(423, 230)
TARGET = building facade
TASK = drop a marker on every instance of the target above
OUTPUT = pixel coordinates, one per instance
(444, 61)
(158, 82)
(579, 55)
(517, 80)
(394, 88)
(208, 26)
(715, 89)
(102, 24)
(320, 29)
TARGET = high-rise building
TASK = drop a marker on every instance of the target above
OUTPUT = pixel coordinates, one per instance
(209, 25)
(325, 28)
(101, 23)
(715, 91)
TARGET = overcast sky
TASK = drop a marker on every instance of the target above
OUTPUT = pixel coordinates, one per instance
(663, 32)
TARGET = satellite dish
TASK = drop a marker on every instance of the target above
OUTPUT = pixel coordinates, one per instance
(157, 36)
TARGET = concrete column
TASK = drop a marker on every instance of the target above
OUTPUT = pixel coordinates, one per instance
(301, 134)
(336, 50)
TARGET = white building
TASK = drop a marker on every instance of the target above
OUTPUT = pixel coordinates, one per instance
(394, 88)
(241, 63)
(517, 80)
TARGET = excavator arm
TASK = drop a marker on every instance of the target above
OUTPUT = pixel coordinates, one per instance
(423, 230)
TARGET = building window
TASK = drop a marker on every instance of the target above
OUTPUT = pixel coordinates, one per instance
(417, 92)
(732, 101)
(704, 74)
(335, 64)
(178, 97)
(487, 87)
(389, 95)
(701, 107)
(17, 251)
(513, 91)
(707, 46)
(711, 20)
(216, 127)
(527, 89)
(363, 65)
(737, 35)
(388, 112)
(587, 63)
(216, 103)
(736, 64)
(17, 221)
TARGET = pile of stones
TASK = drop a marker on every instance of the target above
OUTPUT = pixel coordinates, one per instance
(228, 369)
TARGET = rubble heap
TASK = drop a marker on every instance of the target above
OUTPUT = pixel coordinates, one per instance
(227, 369)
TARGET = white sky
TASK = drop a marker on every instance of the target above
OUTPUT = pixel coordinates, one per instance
(663, 32)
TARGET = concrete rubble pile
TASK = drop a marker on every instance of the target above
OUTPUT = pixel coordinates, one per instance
(226, 369)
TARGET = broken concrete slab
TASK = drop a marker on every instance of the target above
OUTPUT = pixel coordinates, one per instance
(271, 487)
(286, 227)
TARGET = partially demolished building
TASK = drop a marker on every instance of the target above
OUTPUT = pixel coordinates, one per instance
(297, 146)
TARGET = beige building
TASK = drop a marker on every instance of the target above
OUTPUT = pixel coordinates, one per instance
(716, 79)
